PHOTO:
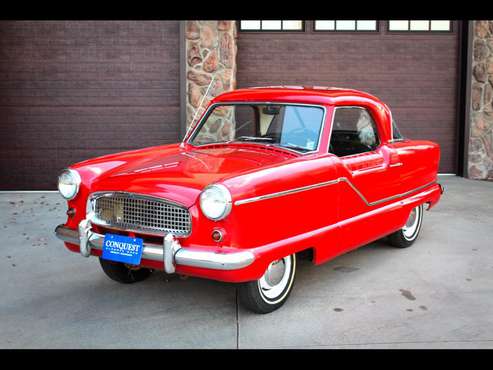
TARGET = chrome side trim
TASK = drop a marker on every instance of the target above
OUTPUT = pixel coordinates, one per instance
(355, 189)
(400, 195)
(170, 252)
(328, 183)
(285, 192)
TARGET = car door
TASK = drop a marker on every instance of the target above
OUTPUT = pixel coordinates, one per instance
(366, 170)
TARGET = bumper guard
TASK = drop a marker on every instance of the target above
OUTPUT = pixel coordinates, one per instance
(171, 253)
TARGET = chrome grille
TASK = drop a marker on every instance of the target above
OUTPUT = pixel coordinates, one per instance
(128, 211)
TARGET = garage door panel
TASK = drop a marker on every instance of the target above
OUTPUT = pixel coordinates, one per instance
(70, 91)
(75, 111)
(54, 123)
(87, 32)
(87, 101)
(115, 137)
(55, 68)
(44, 132)
(104, 75)
(25, 94)
(414, 73)
(89, 84)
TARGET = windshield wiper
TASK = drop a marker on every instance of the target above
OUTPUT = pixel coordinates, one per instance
(294, 147)
(253, 138)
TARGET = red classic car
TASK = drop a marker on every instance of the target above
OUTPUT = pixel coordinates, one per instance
(265, 174)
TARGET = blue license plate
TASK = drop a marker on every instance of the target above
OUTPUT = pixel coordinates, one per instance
(121, 248)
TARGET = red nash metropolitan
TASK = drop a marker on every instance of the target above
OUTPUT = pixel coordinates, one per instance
(265, 174)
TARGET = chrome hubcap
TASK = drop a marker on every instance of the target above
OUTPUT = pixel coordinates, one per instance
(275, 272)
(276, 278)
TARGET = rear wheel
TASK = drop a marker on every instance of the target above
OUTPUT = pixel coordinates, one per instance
(124, 273)
(272, 289)
(406, 236)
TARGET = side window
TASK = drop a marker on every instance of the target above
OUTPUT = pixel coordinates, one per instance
(301, 126)
(353, 132)
(396, 134)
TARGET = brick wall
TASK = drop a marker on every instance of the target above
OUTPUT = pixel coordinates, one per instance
(73, 90)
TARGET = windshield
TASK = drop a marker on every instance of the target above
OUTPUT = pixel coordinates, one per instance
(295, 127)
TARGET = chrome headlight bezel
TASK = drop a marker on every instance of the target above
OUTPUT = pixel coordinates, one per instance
(75, 179)
(221, 193)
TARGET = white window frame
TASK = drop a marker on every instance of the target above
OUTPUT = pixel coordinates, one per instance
(429, 29)
(261, 29)
(336, 29)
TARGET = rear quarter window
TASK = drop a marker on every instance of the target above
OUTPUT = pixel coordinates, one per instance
(396, 134)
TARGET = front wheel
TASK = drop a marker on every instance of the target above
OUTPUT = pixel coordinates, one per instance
(272, 289)
(406, 236)
(124, 273)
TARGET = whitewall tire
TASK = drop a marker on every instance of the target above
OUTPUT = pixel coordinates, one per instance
(406, 236)
(272, 289)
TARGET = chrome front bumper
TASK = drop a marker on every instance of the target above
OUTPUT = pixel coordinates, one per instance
(171, 253)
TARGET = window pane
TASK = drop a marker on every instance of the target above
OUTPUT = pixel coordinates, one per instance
(301, 127)
(396, 134)
(292, 25)
(398, 25)
(354, 132)
(345, 25)
(366, 25)
(440, 25)
(420, 25)
(324, 25)
(271, 25)
(250, 25)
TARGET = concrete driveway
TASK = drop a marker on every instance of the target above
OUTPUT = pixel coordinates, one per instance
(436, 294)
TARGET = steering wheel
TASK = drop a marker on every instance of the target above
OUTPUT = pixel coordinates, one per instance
(300, 136)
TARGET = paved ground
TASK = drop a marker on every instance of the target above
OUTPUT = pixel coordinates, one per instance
(436, 294)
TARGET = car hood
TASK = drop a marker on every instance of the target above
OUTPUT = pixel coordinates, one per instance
(175, 173)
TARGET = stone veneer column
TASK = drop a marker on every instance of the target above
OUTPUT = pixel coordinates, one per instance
(480, 156)
(210, 52)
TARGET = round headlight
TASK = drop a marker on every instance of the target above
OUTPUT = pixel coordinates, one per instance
(215, 202)
(68, 184)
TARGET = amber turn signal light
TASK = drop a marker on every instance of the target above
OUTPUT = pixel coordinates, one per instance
(217, 235)
(71, 212)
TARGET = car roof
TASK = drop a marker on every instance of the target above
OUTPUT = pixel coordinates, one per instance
(316, 95)
(300, 94)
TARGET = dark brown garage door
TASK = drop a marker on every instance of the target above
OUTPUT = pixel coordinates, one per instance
(415, 73)
(74, 90)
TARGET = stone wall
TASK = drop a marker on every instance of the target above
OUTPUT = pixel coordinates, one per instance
(211, 54)
(480, 156)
